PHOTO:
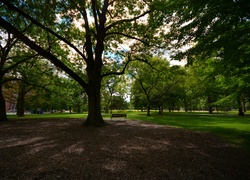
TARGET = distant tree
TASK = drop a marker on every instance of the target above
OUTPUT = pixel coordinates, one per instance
(11, 56)
(170, 88)
(119, 103)
(155, 81)
(218, 29)
(146, 79)
(109, 85)
(207, 76)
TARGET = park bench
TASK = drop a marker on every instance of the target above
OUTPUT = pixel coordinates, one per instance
(114, 117)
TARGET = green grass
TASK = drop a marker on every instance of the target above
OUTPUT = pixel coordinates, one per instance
(49, 116)
(228, 125)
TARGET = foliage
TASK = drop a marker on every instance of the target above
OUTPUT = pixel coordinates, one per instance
(218, 30)
(156, 83)
(119, 103)
(114, 91)
(94, 33)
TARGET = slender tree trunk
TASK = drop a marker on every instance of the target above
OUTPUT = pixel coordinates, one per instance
(70, 110)
(244, 104)
(78, 107)
(210, 108)
(186, 105)
(21, 101)
(241, 113)
(159, 108)
(3, 115)
(240, 109)
(148, 109)
(107, 108)
(52, 109)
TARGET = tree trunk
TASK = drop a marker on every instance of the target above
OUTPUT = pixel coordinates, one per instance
(240, 109)
(210, 108)
(70, 111)
(148, 109)
(3, 115)
(21, 101)
(160, 107)
(186, 105)
(244, 104)
(94, 105)
(78, 107)
(241, 113)
(107, 106)
(107, 109)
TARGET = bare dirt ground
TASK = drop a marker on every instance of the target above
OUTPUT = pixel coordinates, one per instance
(63, 149)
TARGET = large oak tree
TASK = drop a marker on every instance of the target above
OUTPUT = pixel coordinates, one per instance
(91, 30)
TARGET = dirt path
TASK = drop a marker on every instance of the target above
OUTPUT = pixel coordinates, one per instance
(63, 149)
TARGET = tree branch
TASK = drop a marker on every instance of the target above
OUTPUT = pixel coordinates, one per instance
(129, 36)
(105, 7)
(126, 20)
(19, 62)
(10, 79)
(95, 10)
(12, 7)
(88, 43)
(120, 72)
(43, 52)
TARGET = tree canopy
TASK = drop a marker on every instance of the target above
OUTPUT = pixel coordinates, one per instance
(212, 28)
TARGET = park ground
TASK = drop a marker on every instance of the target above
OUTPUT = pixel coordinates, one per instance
(62, 149)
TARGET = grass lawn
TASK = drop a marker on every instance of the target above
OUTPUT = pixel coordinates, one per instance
(232, 127)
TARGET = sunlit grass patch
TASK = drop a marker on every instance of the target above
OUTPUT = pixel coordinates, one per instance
(234, 128)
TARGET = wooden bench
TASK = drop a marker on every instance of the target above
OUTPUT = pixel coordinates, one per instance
(124, 116)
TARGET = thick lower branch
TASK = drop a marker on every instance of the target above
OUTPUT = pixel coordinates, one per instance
(42, 52)
(12, 7)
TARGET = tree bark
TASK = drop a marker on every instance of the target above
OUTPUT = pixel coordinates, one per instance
(3, 115)
(107, 109)
(244, 104)
(210, 108)
(94, 105)
(186, 105)
(148, 109)
(160, 107)
(21, 101)
(70, 111)
(78, 107)
(240, 109)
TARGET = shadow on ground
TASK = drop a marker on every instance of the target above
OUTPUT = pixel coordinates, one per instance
(63, 149)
